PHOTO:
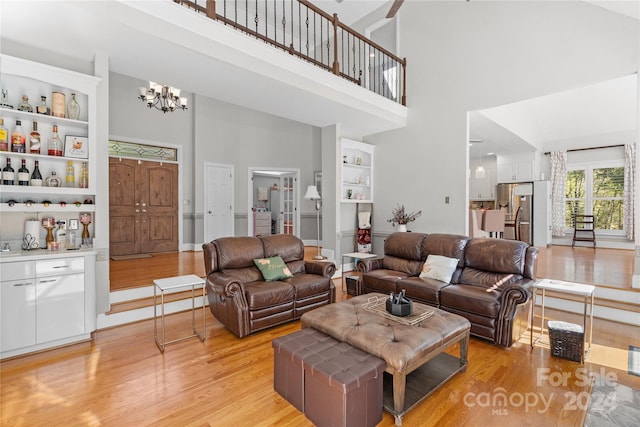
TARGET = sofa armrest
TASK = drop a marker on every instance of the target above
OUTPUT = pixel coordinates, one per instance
(322, 268)
(368, 264)
(223, 284)
(514, 297)
(228, 303)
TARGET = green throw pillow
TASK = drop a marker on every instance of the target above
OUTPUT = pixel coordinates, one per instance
(273, 268)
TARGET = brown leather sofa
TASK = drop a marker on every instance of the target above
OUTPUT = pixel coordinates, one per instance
(490, 285)
(240, 298)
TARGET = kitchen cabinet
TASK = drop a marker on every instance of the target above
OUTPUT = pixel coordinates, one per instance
(482, 188)
(47, 300)
(516, 168)
(356, 180)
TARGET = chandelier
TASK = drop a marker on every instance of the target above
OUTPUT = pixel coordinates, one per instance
(162, 97)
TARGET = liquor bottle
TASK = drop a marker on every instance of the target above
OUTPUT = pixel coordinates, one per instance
(52, 180)
(18, 139)
(23, 174)
(42, 107)
(34, 140)
(61, 235)
(4, 101)
(58, 104)
(84, 176)
(73, 108)
(25, 106)
(4, 137)
(36, 177)
(71, 175)
(55, 144)
(8, 174)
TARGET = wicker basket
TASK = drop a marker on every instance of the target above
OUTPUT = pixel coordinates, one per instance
(566, 340)
(352, 285)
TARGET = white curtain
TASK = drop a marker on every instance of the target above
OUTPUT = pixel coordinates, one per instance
(629, 189)
(558, 184)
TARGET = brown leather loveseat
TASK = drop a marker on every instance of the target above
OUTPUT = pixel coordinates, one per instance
(489, 286)
(243, 301)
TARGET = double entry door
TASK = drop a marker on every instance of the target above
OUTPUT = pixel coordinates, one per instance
(143, 206)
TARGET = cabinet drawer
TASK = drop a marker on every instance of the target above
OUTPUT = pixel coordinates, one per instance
(58, 266)
(17, 270)
(263, 222)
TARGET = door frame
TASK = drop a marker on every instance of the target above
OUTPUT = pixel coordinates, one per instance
(205, 199)
(277, 172)
(179, 153)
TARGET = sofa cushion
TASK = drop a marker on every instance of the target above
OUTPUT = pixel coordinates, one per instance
(307, 285)
(422, 290)
(449, 245)
(439, 268)
(287, 246)
(489, 280)
(261, 294)
(496, 255)
(273, 268)
(403, 252)
(382, 280)
(471, 299)
(238, 252)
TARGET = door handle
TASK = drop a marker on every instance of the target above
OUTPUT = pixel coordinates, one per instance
(144, 210)
(209, 211)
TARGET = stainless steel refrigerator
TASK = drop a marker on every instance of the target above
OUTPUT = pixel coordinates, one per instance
(510, 197)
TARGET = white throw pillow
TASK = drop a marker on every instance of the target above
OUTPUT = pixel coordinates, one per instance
(439, 268)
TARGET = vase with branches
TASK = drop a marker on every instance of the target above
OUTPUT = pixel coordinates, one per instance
(401, 217)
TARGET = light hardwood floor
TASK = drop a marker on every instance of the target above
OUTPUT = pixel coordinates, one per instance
(121, 379)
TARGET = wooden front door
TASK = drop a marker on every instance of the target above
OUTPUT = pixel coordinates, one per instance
(143, 207)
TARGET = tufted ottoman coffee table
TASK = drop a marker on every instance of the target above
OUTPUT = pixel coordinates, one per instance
(414, 354)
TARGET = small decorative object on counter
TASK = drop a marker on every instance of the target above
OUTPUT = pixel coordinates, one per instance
(400, 217)
(18, 139)
(4, 137)
(42, 107)
(34, 140)
(49, 224)
(85, 220)
(25, 106)
(58, 104)
(73, 108)
(52, 180)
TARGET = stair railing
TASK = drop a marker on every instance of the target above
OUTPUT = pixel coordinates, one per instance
(304, 30)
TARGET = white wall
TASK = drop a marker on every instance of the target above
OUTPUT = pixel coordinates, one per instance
(464, 56)
(229, 134)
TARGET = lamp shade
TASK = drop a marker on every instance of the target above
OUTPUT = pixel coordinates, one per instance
(312, 193)
(480, 172)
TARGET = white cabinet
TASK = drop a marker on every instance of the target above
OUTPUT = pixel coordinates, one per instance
(45, 302)
(261, 223)
(516, 168)
(482, 188)
(356, 180)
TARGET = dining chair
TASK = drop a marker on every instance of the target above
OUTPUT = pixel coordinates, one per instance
(494, 222)
(516, 224)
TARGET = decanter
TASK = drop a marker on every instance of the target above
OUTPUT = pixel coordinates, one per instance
(52, 180)
(73, 108)
(25, 106)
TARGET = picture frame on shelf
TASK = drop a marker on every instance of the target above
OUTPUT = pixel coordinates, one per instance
(73, 224)
(76, 146)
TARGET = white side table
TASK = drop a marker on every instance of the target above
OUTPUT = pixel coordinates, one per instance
(585, 291)
(353, 255)
(172, 284)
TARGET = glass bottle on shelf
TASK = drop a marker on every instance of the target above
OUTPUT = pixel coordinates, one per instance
(4, 137)
(36, 176)
(8, 174)
(23, 173)
(42, 107)
(73, 108)
(84, 176)
(25, 106)
(4, 101)
(34, 140)
(71, 175)
(55, 144)
(52, 180)
(58, 104)
(18, 139)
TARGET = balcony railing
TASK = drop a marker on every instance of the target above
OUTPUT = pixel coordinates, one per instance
(304, 30)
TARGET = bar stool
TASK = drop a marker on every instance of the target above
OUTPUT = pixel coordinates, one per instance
(516, 224)
(494, 222)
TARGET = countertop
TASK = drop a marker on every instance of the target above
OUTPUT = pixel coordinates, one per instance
(37, 254)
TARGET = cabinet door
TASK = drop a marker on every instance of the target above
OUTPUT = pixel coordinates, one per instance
(506, 172)
(18, 314)
(524, 170)
(59, 307)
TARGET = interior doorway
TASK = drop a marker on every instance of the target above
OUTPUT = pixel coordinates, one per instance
(218, 201)
(274, 197)
(143, 206)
